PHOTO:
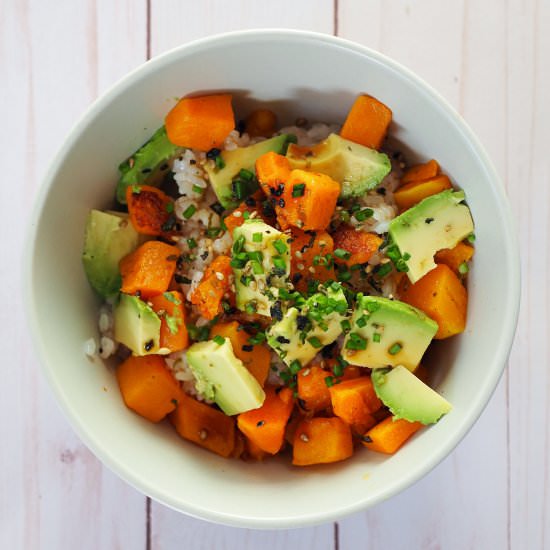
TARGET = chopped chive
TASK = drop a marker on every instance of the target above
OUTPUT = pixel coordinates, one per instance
(246, 280)
(189, 211)
(376, 337)
(246, 174)
(169, 207)
(257, 237)
(362, 321)
(346, 325)
(338, 369)
(237, 263)
(256, 255)
(471, 238)
(219, 162)
(329, 381)
(315, 342)
(362, 215)
(395, 348)
(463, 268)
(192, 243)
(251, 308)
(295, 366)
(372, 306)
(279, 262)
(257, 268)
(198, 190)
(356, 342)
(238, 245)
(344, 216)
(136, 189)
(298, 190)
(343, 275)
(220, 340)
(239, 188)
(246, 215)
(257, 338)
(342, 254)
(383, 270)
(213, 232)
(280, 246)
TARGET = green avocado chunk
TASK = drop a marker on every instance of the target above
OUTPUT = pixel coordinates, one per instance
(223, 378)
(408, 397)
(387, 332)
(148, 165)
(356, 167)
(137, 326)
(437, 222)
(109, 237)
(303, 332)
(261, 264)
(233, 178)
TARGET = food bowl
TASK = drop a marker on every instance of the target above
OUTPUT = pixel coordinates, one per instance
(296, 74)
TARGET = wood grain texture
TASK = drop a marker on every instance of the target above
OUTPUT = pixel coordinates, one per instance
(489, 59)
(53, 492)
(528, 183)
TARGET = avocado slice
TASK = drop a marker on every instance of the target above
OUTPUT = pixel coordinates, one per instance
(408, 397)
(223, 378)
(109, 237)
(303, 331)
(231, 189)
(261, 263)
(356, 167)
(437, 222)
(137, 326)
(387, 332)
(148, 165)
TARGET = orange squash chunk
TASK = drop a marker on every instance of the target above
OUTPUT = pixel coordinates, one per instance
(148, 387)
(354, 401)
(359, 244)
(215, 283)
(148, 270)
(455, 257)
(367, 122)
(421, 172)
(412, 193)
(309, 200)
(255, 358)
(442, 296)
(205, 426)
(321, 441)
(389, 435)
(200, 122)
(305, 261)
(173, 332)
(312, 388)
(148, 209)
(266, 426)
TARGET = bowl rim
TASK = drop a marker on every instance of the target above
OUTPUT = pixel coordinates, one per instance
(502, 349)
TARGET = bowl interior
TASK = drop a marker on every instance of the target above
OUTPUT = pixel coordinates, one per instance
(298, 74)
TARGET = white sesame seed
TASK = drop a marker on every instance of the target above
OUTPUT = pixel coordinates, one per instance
(304, 438)
(311, 269)
(305, 372)
(220, 276)
(237, 213)
(203, 434)
(298, 254)
(384, 260)
(300, 267)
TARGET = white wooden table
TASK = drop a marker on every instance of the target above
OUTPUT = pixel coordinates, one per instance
(489, 58)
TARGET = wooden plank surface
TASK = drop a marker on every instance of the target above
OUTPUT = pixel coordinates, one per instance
(490, 59)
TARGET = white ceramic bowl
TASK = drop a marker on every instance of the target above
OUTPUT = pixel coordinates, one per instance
(297, 73)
